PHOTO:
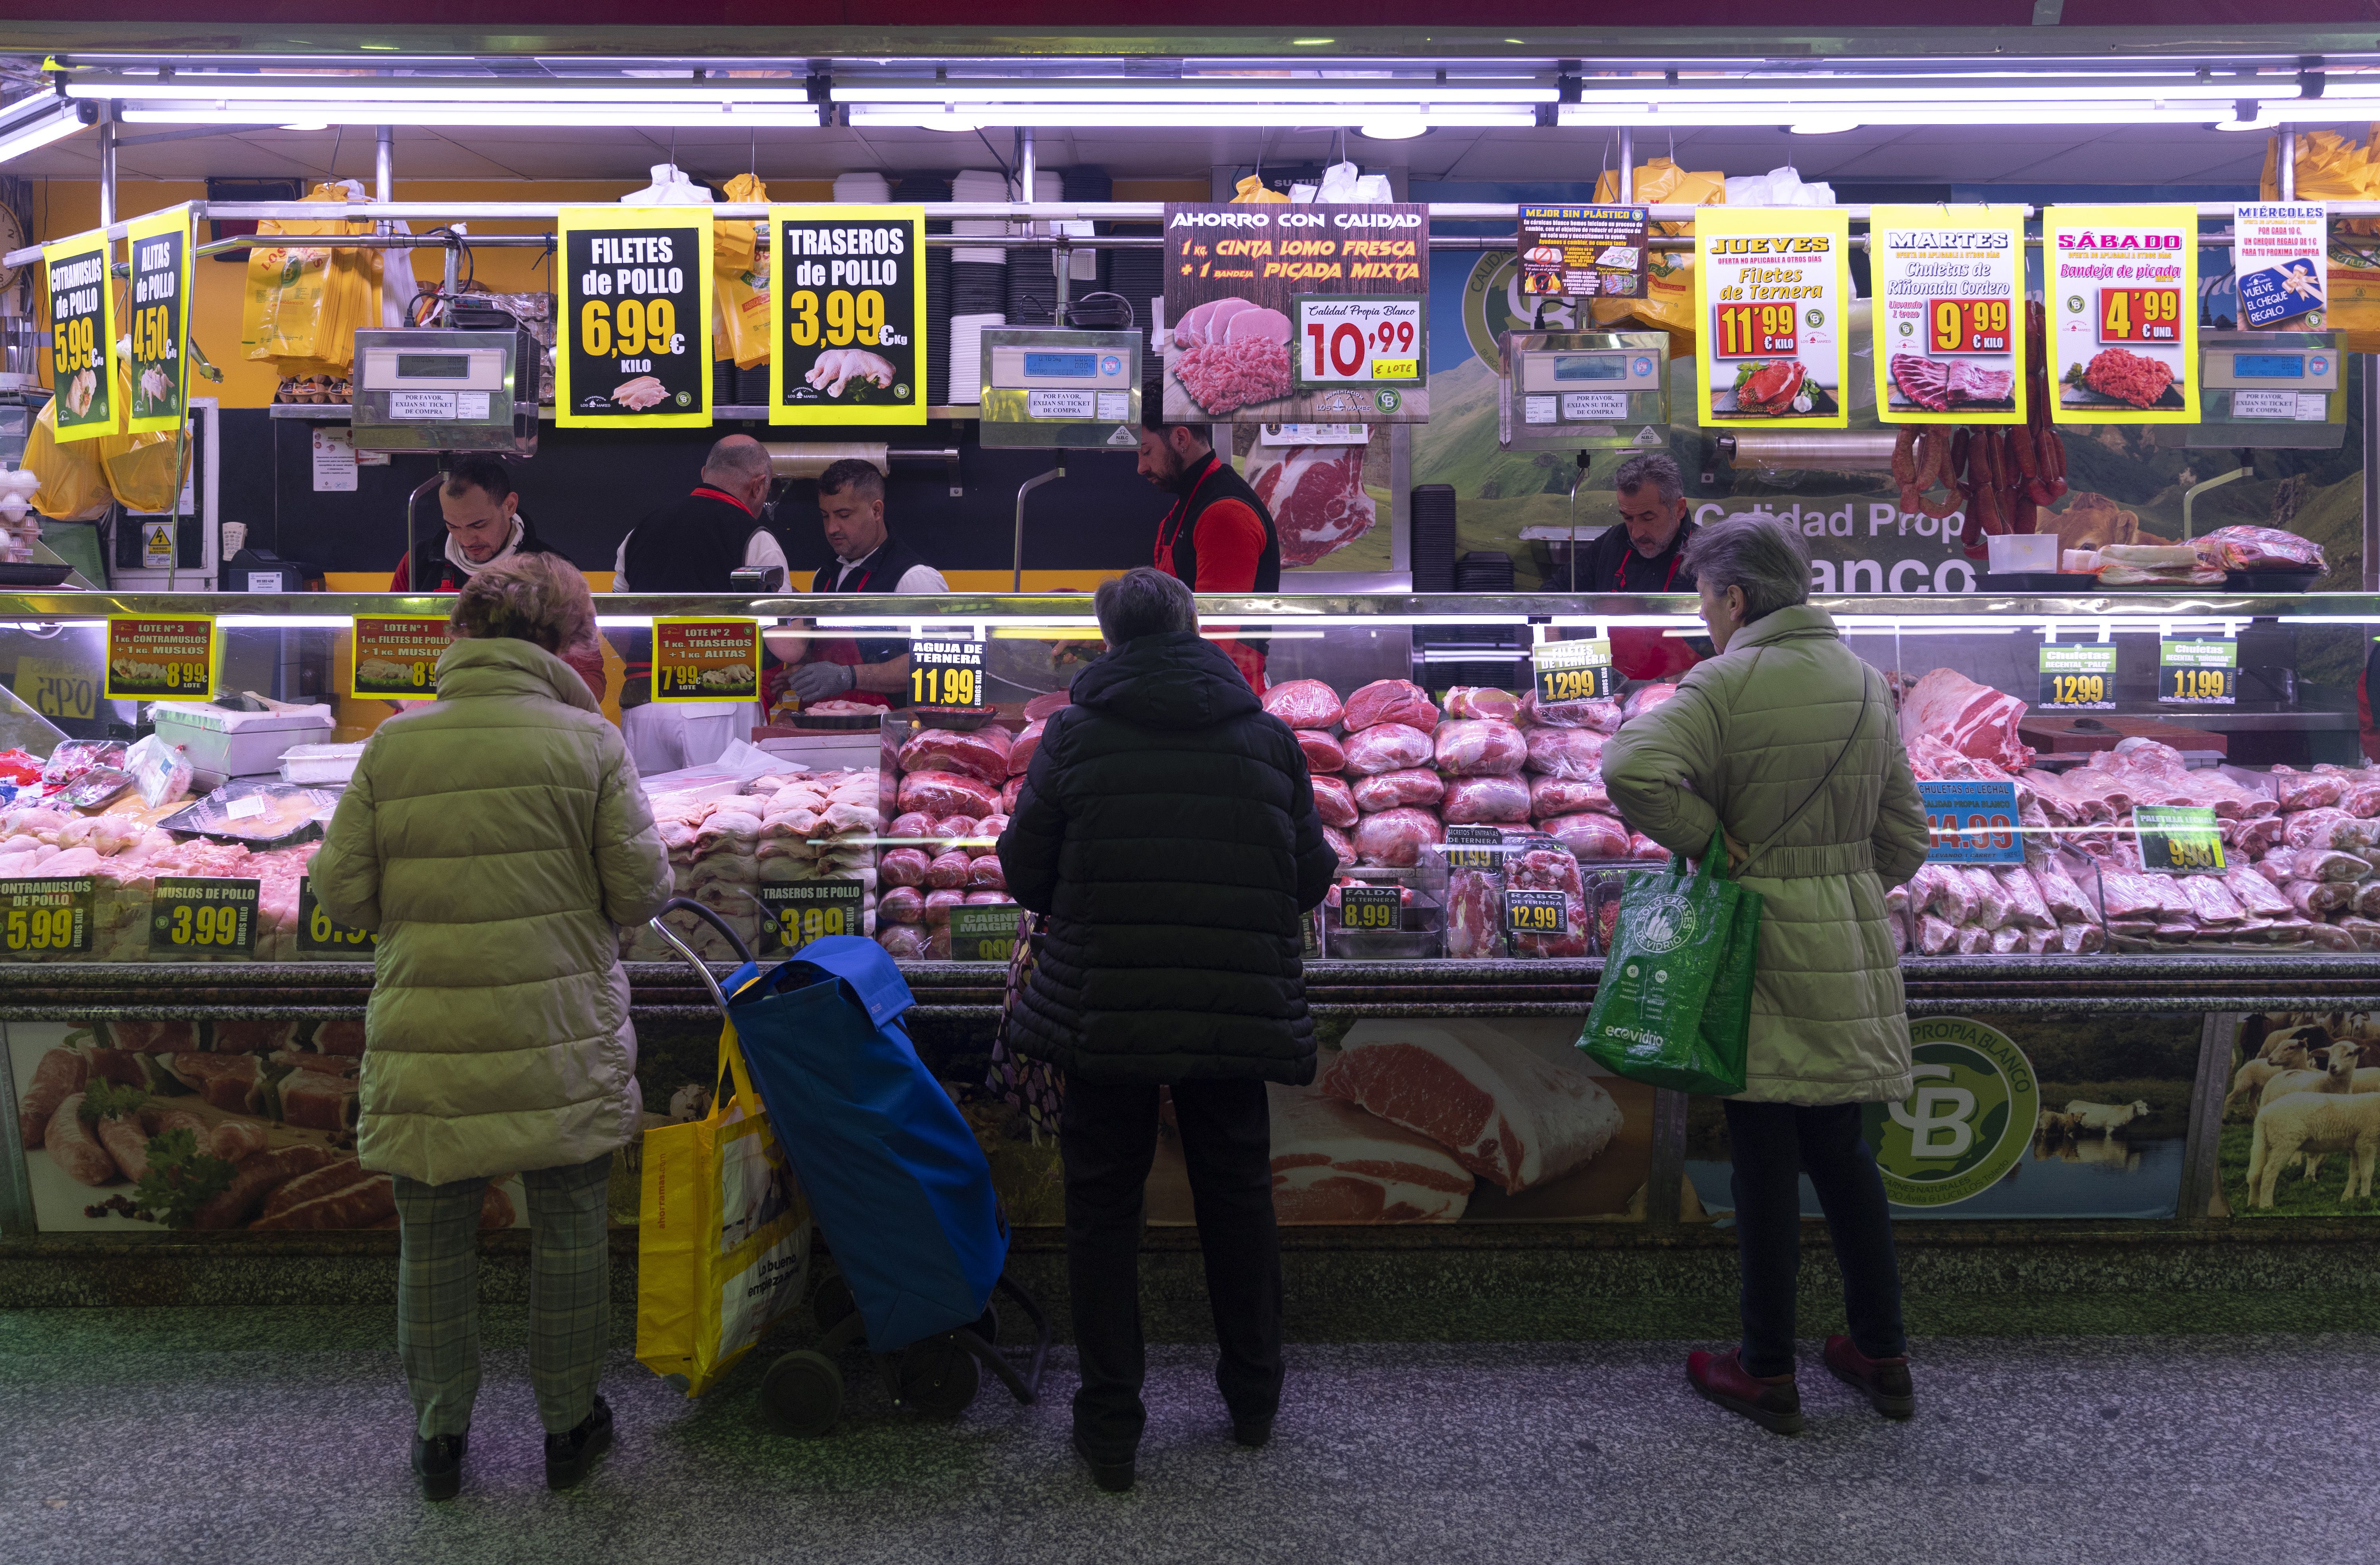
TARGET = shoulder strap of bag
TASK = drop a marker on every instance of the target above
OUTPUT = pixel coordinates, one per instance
(1866, 697)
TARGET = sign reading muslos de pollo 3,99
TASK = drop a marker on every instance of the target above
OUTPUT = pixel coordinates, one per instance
(1949, 315)
(2120, 285)
(1296, 314)
(1772, 289)
(634, 345)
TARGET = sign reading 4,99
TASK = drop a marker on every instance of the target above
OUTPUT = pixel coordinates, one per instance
(636, 318)
(848, 298)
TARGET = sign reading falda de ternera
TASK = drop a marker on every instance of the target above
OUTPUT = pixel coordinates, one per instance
(1948, 314)
(1295, 313)
(160, 313)
(848, 300)
(636, 318)
(82, 332)
(1772, 295)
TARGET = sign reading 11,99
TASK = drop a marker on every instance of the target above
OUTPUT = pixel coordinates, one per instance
(636, 318)
(946, 673)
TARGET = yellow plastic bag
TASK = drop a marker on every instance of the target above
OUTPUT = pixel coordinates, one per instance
(1252, 190)
(140, 470)
(74, 487)
(722, 1235)
(302, 303)
(739, 284)
(1668, 301)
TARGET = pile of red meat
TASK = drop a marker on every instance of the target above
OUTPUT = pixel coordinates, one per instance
(956, 788)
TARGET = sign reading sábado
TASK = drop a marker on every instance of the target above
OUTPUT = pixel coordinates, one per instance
(1970, 1118)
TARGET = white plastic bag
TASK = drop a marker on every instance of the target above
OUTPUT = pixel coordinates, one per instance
(160, 771)
(1777, 188)
(669, 187)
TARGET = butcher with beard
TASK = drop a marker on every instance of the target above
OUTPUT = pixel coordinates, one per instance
(1218, 538)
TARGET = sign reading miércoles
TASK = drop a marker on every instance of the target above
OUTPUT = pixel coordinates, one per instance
(82, 334)
(634, 285)
(1969, 1118)
(1772, 289)
(161, 296)
(2120, 285)
(2280, 258)
(847, 303)
(1948, 318)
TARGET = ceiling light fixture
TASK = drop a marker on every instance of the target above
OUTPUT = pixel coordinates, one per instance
(1823, 125)
(50, 122)
(1392, 130)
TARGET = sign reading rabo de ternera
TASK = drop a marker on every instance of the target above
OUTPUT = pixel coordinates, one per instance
(1968, 1120)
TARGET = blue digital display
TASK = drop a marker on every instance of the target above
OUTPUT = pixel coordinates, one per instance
(1590, 367)
(1078, 366)
(2268, 366)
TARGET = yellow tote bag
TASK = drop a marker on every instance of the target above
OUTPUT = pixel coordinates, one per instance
(723, 1235)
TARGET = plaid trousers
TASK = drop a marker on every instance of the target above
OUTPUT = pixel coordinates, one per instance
(569, 1294)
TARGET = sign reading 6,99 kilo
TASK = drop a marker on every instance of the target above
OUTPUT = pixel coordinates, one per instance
(82, 334)
(848, 300)
(636, 318)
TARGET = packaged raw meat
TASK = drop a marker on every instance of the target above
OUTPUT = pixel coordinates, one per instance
(1601, 716)
(2367, 900)
(2008, 940)
(1324, 758)
(75, 757)
(1475, 923)
(1974, 940)
(2261, 549)
(1020, 749)
(948, 792)
(939, 905)
(1488, 748)
(1643, 699)
(937, 941)
(903, 867)
(1935, 936)
(1477, 800)
(1588, 834)
(953, 828)
(1473, 701)
(1551, 869)
(1387, 700)
(915, 825)
(989, 898)
(1010, 794)
(1339, 845)
(2305, 789)
(905, 942)
(1387, 746)
(2064, 897)
(1304, 703)
(2328, 864)
(1509, 1114)
(949, 868)
(901, 905)
(2326, 829)
(1994, 908)
(1549, 796)
(2361, 798)
(1395, 838)
(1414, 785)
(1334, 802)
(2316, 898)
(1937, 888)
(2254, 838)
(1643, 846)
(981, 753)
(2257, 896)
(2078, 939)
(1565, 752)
(2029, 909)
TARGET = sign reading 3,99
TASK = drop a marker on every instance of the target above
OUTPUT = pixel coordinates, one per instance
(636, 318)
(193, 916)
(847, 294)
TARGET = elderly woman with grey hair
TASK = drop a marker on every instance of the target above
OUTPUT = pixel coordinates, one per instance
(1787, 743)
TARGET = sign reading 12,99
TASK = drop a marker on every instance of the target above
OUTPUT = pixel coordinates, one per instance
(847, 294)
(636, 318)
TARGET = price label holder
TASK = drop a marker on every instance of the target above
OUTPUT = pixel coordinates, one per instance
(1972, 823)
(811, 910)
(946, 673)
(1536, 913)
(1473, 847)
(56, 687)
(159, 659)
(2198, 673)
(634, 317)
(44, 917)
(2179, 839)
(706, 660)
(985, 934)
(83, 336)
(1367, 339)
(1574, 670)
(318, 934)
(193, 916)
(396, 656)
(1371, 908)
(2081, 677)
(160, 298)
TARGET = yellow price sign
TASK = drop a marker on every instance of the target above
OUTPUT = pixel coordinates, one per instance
(58, 688)
(395, 655)
(202, 916)
(1536, 913)
(160, 659)
(319, 934)
(814, 910)
(44, 917)
(2078, 676)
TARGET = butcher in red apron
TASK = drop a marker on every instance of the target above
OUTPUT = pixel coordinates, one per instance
(869, 558)
(1646, 552)
(1219, 537)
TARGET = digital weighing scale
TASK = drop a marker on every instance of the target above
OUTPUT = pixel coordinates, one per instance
(1048, 386)
(1584, 391)
(435, 389)
(2271, 390)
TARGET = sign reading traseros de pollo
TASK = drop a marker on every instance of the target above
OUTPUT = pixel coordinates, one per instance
(847, 297)
(396, 655)
(1772, 285)
(2120, 285)
(635, 331)
(82, 334)
(1948, 318)
(160, 659)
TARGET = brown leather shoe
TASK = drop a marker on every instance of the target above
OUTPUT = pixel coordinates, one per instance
(1772, 1404)
(1883, 1381)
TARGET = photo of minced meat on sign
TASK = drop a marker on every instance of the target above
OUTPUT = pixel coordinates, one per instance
(2125, 376)
(1234, 354)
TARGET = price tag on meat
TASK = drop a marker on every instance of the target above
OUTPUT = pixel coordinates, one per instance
(1536, 913)
(2198, 673)
(41, 918)
(635, 323)
(1473, 847)
(812, 910)
(1574, 670)
(1972, 823)
(2119, 289)
(946, 673)
(2179, 839)
(1371, 908)
(1772, 286)
(1949, 319)
(318, 934)
(985, 934)
(194, 916)
(159, 299)
(703, 660)
(396, 655)
(170, 660)
(844, 296)
(82, 335)
(2078, 677)
(1359, 340)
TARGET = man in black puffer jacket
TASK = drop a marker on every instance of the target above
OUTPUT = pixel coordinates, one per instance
(1167, 828)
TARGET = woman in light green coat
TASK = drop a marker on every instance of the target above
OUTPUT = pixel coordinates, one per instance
(496, 841)
(1788, 743)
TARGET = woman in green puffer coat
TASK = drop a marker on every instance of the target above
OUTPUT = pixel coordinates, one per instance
(496, 841)
(1788, 743)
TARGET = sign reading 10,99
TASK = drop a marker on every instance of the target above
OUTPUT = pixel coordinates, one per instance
(636, 318)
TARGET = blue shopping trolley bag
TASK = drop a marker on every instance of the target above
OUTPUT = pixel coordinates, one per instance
(895, 1179)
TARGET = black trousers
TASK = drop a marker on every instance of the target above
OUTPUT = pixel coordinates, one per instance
(1109, 1138)
(1774, 1144)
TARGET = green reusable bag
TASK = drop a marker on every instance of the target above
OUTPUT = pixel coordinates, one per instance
(1674, 1006)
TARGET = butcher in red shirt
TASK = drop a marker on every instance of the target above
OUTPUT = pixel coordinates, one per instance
(1219, 537)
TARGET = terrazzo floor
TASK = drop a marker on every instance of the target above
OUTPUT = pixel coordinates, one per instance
(271, 1435)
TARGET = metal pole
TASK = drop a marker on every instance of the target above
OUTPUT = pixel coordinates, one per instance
(2288, 164)
(1024, 164)
(106, 168)
(1627, 164)
(384, 164)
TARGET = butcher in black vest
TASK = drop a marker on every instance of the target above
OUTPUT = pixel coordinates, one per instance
(868, 558)
(1219, 537)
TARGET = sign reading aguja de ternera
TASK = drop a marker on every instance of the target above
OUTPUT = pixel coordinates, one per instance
(1862, 544)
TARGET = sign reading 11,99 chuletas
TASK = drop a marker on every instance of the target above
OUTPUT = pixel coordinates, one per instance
(636, 318)
(847, 296)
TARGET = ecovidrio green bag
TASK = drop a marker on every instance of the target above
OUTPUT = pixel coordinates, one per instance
(1674, 1006)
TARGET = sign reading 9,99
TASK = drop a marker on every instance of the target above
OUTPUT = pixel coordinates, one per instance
(636, 318)
(848, 298)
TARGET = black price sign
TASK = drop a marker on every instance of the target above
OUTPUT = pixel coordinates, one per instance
(1574, 670)
(847, 298)
(812, 910)
(1371, 908)
(636, 318)
(82, 334)
(318, 934)
(2198, 673)
(946, 673)
(2179, 839)
(192, 915)
(2078, 677)
(1473, 847)
(1536, 913)
(985, 934)
(161, 291)
(44, 917)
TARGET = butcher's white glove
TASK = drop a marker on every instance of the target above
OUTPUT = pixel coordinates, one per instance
(843, 365)
(816, 682)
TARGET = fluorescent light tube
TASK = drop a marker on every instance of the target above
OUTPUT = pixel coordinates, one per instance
(33, 133)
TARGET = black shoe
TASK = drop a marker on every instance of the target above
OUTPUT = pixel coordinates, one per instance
(1116, 1478)
(1253, 1433)
(439, 1463)
(567, 1455)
